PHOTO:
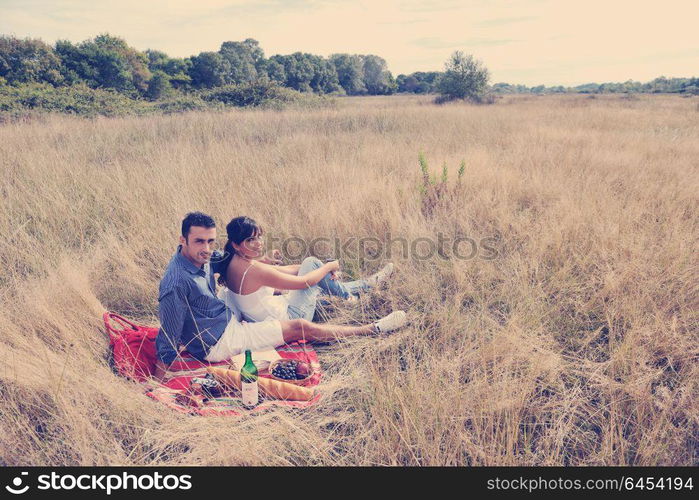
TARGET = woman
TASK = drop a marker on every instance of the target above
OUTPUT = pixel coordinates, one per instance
(251, 284)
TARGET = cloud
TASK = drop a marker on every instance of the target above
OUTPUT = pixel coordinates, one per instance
(531, 41)
(256, 11)
(275, 7)
(251, 10)
(172, 12)
(430, 5)
(406, 22)
(500, 21)
(433, 42)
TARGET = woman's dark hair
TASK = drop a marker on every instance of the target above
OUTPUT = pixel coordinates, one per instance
(237, 230)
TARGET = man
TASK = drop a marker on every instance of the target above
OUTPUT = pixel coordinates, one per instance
(191, 315)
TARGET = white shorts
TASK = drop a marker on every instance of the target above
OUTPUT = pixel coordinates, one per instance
(239, 336)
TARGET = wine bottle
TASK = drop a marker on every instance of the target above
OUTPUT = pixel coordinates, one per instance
(248, 380)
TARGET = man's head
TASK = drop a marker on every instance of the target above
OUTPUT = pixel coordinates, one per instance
(198, 238)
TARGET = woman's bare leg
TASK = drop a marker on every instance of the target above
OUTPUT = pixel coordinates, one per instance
(300, 329)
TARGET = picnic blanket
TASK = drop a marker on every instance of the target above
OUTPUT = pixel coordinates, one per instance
(134, 355)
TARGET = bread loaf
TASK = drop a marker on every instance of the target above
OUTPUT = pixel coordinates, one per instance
(271, 388)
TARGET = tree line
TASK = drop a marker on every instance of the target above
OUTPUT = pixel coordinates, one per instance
(239, 73)
(428, 83)
(108, 62)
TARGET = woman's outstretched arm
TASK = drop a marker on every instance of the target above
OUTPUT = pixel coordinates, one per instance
(289, 269)
(275, 259)
(272, 277)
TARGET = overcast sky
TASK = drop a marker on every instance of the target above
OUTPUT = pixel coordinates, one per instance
(521, 41)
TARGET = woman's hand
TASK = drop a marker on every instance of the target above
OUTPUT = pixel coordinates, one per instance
(334, 269)
(277, 256)
(276, 277)
(274, 260)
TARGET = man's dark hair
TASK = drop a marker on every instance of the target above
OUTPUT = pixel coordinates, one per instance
(196, 219)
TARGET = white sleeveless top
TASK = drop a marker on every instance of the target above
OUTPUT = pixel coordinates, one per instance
(260, 305)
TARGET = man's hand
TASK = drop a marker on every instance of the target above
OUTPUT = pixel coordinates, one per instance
(159, 372)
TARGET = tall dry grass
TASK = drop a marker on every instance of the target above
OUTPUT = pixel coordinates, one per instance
(577, 345)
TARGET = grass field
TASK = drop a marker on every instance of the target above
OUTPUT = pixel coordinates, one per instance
(577, 344)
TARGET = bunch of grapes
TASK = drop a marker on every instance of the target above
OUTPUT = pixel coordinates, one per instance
(287, 371)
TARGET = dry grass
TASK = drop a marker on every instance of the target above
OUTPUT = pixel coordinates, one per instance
(577, 345)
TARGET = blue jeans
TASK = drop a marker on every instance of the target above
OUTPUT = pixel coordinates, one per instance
(302, 303)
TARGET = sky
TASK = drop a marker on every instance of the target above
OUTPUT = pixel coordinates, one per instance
(532, 42)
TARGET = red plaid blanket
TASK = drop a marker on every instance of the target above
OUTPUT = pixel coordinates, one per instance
(133, 356)
(182, 372)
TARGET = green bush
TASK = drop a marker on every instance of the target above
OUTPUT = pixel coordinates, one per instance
(464, 78)
(33, 99)
(184, 103)
(255, 94)
(159, 86)
(78, 100)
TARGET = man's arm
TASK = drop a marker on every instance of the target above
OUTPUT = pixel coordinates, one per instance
(172, 311)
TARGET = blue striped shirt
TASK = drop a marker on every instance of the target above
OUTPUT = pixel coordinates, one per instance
(190, 312)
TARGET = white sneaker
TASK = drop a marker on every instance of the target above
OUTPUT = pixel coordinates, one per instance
(382, 276)
(393, 321)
